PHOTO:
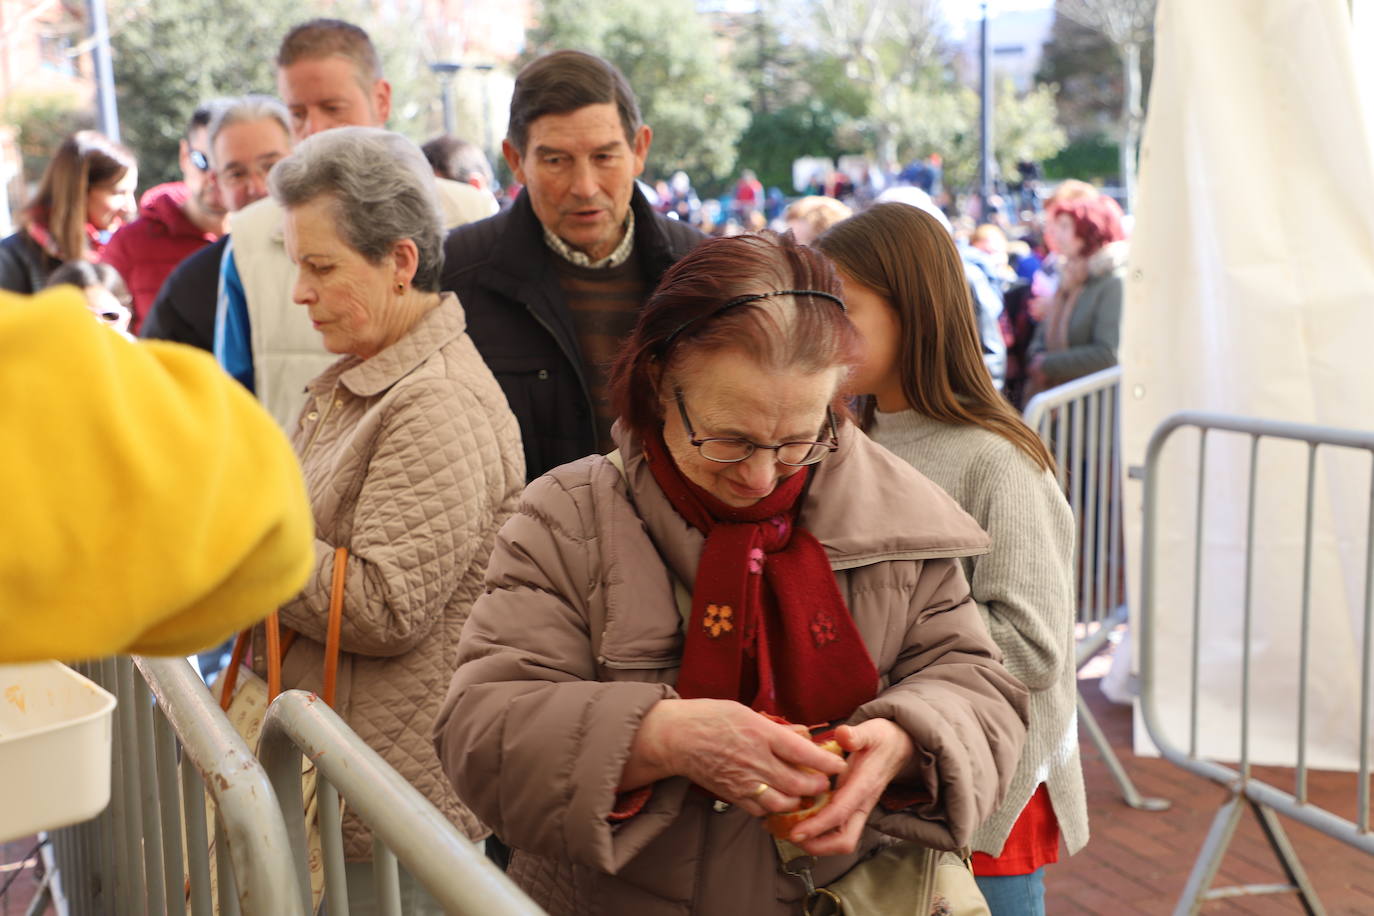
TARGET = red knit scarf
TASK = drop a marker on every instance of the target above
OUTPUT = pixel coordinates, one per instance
(768, 625)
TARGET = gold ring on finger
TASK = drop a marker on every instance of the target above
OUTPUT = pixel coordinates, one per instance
(763, 787)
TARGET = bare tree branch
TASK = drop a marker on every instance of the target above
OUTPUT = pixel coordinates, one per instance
(1122, 21)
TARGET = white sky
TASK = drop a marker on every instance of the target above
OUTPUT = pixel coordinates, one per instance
(961, 10)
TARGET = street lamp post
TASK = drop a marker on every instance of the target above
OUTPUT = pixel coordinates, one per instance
(985, 169)
(447, 70)
(104, 71)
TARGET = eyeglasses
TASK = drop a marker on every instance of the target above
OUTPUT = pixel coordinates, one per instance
(199, 160)
(736, 449)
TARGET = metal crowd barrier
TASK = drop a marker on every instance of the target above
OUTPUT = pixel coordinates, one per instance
(1244, 789)
(405, 826)
(131, 859)
(171, 741)
(1080, 423)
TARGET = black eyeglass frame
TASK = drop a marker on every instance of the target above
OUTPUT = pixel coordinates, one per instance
(832, 446)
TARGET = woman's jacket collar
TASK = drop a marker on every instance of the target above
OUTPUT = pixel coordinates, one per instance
(865, 505)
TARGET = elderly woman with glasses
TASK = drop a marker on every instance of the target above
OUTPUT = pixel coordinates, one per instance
(747, 612)
(411, 456)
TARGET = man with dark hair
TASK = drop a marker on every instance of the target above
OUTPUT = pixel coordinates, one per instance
(554, 284)
(329, 75)
(175, 219)
(459, 160)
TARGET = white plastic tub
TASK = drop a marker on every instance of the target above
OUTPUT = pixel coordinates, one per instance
(55, 732)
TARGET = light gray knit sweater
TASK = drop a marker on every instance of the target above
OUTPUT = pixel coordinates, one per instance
(1024, 587)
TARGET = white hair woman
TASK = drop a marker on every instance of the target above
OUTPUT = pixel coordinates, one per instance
(411, 455)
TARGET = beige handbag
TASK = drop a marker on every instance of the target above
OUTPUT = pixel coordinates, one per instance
(905, 879)
(244, 697)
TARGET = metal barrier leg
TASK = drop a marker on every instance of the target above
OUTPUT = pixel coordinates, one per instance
(1129, 793)
(1199, 887)
(1278, 840)
(39, 904)
(1209, 857)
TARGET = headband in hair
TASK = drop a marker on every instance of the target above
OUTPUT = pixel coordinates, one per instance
(745, 300)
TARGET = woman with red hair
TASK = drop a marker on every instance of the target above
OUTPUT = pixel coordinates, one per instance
(1081, 329)
(667, 631)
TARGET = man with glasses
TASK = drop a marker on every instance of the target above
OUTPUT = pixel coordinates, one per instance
(175, 220)
(246, 139)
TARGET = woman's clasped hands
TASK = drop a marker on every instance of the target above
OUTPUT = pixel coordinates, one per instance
(765, 767)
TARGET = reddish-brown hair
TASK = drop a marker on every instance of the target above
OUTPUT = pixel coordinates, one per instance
(1096, 221)
(682, 320)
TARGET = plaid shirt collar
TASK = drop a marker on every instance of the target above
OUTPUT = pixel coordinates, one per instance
(614, 259)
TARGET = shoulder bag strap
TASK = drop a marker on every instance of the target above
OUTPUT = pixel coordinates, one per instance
(230, 678)
(332, 634)
(277, 646)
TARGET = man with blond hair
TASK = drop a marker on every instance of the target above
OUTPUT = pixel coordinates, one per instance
(329, 75)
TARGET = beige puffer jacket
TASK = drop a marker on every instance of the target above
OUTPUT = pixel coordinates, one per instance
(579, 635)
(413, 461)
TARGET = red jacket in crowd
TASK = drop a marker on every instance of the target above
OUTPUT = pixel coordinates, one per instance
(146, 250)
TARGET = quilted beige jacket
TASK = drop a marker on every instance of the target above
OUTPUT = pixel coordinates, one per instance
(580, 634)
(412, 460)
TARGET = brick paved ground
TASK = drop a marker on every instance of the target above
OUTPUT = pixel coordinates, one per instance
(1137, 861)
(15, 901)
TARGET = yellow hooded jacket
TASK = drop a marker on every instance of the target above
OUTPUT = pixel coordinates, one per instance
(147, 503)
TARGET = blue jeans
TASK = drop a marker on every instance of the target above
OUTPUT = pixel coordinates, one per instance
(1015, 895)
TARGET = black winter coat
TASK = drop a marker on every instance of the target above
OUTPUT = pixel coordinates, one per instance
(184, 309)
(24, 265)
(505, 278)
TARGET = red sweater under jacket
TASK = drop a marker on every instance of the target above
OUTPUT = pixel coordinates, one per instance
(146, 250)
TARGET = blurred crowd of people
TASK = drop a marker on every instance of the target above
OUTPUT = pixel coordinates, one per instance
(779, 495)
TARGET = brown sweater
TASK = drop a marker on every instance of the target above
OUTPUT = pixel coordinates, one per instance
(604, 303)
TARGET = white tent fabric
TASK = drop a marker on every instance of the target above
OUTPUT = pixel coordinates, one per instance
(1251, 291)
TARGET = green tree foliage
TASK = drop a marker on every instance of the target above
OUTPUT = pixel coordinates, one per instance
(878, 74)
(171, 55)
(44, 120)
(1094, 159)
(687, 92)
(1084, 65)
(804, 106)
(945, 120)
(893, 49)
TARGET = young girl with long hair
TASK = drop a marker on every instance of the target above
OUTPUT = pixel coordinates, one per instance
(87, 190)
(930, 400)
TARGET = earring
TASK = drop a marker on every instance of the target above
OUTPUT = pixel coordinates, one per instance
(400, 287)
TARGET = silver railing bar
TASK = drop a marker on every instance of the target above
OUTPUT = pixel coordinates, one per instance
(1248, 623)
(1305, 623)
(249, 825)
(450, 867)
(1367, 662)
(1197, 592)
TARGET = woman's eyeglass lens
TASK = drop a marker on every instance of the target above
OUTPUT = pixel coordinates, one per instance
(733, 450)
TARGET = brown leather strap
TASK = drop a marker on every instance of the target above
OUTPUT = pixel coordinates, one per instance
(332, 634)
(230, 678)
(278, 644)
(273, 656)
